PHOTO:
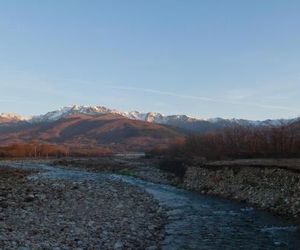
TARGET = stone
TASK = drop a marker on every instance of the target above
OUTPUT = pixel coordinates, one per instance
(29, 198)
(51, 214)
(118, 245)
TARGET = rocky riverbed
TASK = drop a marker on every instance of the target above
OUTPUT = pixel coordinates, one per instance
(62, 207)
(43, 213)
(269, 184)
(271, 188)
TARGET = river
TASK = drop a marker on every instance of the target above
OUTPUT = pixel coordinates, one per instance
(198, 221)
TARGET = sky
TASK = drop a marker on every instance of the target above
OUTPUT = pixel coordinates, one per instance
(203, 58)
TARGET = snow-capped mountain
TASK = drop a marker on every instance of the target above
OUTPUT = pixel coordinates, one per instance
(11, 117)
(148, 117)
(64, 112)
(84, 126)
(176, 119)
(70, 110)
(98, 110)
(181, 121)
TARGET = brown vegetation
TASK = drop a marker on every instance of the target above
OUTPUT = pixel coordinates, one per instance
(240, 142)
(42, 150)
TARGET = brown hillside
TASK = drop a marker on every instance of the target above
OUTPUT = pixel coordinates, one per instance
(110, 130)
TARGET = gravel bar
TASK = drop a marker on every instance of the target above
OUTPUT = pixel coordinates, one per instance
(67, 214)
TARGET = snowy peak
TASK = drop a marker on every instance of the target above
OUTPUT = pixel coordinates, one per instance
(155, 117)
(181, 121)
(72, 110)
(11, 117)
(135, 115)
(152, 117)
(148, 117)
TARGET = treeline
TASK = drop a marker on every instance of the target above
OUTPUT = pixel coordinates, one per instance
(239, 142)
(42, 150)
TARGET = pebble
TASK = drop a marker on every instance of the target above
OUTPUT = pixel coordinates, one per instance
(57, 214)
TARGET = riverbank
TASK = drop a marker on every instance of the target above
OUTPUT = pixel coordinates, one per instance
(268, 184)
(45, 213)
(272, 185)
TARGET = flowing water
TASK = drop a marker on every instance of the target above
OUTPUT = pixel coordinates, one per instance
(202, 222)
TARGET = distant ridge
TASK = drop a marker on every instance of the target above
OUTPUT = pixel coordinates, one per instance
(153, 117)
(98, 126)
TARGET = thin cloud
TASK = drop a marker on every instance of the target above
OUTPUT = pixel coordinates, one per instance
(165, 93)
(47, 89)
(206, 99)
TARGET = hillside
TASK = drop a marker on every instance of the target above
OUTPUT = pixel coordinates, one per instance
(98, 126)
(109, 130)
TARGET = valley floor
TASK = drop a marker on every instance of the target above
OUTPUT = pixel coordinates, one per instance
(81, 204)
(269, 184)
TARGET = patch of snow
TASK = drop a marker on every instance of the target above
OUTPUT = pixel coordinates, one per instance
(13, 117)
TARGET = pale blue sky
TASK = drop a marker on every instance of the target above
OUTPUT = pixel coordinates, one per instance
(205, 58)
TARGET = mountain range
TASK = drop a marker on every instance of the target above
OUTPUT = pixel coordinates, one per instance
(100, 126)
(152, 117)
